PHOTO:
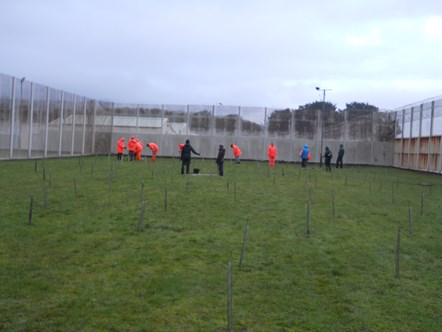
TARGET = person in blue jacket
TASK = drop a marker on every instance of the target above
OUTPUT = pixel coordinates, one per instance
(305, 155)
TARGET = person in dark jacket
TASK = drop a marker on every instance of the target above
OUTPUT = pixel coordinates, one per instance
(186, 156)
(220, 160)
(328, 156)
(339, 160)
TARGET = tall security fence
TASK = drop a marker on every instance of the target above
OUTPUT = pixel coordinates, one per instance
(38, 121)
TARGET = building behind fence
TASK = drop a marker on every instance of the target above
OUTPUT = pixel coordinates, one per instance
(417, 142)
(38, 122)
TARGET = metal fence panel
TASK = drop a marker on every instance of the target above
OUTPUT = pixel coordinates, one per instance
(6, 102)
(38, 121)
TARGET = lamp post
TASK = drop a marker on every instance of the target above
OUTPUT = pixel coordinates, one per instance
(322, 122)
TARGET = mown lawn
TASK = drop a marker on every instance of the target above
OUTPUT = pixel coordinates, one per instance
(86, 261)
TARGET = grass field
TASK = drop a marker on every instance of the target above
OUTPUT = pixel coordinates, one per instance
(319, 250)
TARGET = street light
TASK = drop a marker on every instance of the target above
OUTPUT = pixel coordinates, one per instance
(322, 122)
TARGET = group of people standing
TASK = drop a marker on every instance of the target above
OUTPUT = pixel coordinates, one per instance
(305, 156)
(328, 155)
(187, 150)
(135, 147)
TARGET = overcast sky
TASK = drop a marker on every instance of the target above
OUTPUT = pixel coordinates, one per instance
(387, 53)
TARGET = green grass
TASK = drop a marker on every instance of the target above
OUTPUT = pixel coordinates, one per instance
(83, 265)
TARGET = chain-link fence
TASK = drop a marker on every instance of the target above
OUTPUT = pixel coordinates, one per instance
(38, 121)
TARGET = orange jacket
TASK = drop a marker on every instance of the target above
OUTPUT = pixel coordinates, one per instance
(271, 151)
(131, 145)
(120, 145)
(236, 150)
(138, 146)
(153, 147)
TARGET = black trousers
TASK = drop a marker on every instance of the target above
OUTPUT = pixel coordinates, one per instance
(220, 169)
(339, 162)
(304, 162)
(327, 165)
(185, 163)
(131, 155)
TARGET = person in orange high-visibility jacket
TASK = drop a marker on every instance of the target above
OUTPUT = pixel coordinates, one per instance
(131, 146)
(120, 148)
(138, 149)
(154, 149)
(236, 152)
(272, 153)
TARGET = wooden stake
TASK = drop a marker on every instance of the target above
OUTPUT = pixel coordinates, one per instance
(244, 243)
(111, 174)
(165, 198)
(392, 195)
(141, 218)
(422, 204)
(142, 192)
(234, 192)
(75, 187)
(397, 254)
(229, 298)
(45, 195)
(31, 206)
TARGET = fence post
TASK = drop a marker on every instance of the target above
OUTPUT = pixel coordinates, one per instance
(31, 121)
(12, 124)
(74, 110)
(60, 123)
(112, 128)
(93, 126)
(83, 141)
(48, 100)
